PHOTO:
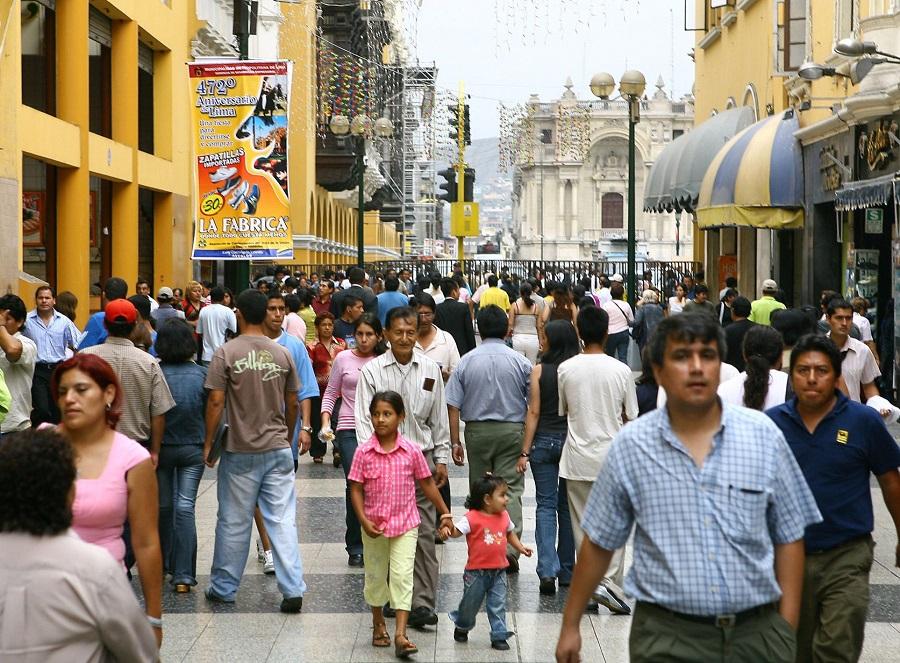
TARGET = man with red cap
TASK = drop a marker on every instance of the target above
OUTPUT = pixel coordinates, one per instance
(146, 395)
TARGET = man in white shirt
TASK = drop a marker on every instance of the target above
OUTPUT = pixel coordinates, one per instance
(18, 353)
(858, 366)
(142, 287)
(594, 391)
(214, 321)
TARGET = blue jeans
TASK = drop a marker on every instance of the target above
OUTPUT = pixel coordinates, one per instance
(245, 481)
(617, 345)
(554, 560)
(178, 474)
(478, 584)
(346, 444)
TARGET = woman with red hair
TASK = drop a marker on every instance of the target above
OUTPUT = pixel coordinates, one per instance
(116, 478)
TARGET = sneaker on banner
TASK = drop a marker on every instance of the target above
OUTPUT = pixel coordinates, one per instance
(251, 200)
(227, 187)
(239, 194)
(222, 174)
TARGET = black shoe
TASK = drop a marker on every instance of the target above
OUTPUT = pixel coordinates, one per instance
(292, 605)
(513, 564)
(500, 645)
(564, 583)
(212, 597)
(460, 636)
(422, 616)
(592, 607)
(548, 586)
(388, 611)
(355, 561)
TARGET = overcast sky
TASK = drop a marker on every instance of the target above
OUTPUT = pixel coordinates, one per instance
(505, 50)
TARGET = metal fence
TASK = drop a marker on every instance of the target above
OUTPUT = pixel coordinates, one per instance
(475, 271)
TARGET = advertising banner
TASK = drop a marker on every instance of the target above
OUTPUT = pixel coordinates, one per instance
(240, 136)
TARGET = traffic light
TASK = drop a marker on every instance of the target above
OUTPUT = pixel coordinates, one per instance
(449, 186)
(467, 125)
(469, 186)
(454, 122)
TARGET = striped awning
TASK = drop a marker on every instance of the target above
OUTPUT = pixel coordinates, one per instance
(756, 179)
(675, 178)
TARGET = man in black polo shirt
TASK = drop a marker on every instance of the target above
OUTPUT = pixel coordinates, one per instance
(837, 443)
(735, 332)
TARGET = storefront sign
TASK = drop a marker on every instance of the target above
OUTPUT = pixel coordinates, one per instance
(240, 131)
(877, 147)
(874, 221)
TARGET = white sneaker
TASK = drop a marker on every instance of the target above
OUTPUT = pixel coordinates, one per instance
(222, 174)
(239, 194)
(609, 599)
(269, 565)
(260, 552)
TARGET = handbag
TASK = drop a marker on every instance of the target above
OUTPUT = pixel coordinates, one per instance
(220, 439)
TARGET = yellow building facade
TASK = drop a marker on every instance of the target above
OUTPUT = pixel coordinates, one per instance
(747, 54)
(94, 161)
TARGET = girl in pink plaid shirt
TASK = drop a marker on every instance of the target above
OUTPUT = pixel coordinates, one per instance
(383, 480)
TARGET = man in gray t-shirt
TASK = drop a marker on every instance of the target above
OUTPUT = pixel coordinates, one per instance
(258, 381)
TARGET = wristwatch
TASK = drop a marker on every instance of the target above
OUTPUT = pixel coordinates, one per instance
(307, 429)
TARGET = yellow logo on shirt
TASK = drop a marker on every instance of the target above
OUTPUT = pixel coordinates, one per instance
(842, 436)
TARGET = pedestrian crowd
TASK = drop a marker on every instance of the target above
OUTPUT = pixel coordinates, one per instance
(737, 464)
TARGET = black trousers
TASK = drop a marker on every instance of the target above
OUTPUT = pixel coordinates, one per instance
(43, 402)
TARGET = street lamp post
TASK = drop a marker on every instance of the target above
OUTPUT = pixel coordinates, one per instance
(632, 89)
(360, 127)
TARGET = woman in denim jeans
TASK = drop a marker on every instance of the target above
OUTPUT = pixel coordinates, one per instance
(180, 465)
(542, 444)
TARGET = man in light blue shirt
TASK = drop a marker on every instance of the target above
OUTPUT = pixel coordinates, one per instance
(489, 391)
(95, 332)
(53, 334)
(719, 508)
(391, 298)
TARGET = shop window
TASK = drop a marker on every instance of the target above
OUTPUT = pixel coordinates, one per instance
(101, 232)
(39, 219)
(100, 73)
(39, 55)
(145, 99)
(145, 234)
(611, 209)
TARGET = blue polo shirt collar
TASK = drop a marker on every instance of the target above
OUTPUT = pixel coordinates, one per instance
(839, 406)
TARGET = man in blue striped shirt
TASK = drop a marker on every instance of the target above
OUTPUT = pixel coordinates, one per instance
(53, 334)
(720, 508)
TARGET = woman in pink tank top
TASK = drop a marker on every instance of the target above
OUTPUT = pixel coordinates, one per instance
(116, 478)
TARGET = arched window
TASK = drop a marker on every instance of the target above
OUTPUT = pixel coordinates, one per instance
(612, 206)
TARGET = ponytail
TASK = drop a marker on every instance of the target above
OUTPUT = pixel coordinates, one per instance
(762, 350)
(756, 386)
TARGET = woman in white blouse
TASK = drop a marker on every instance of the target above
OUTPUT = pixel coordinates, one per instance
(676, 303)
(763, 384)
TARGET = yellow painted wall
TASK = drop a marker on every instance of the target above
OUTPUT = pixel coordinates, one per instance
(64, 140)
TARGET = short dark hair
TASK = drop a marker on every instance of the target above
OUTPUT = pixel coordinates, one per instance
(793, 323)
(729, 292)
(400, 313)
(741, 307)
(731, 282)
(139, 282)
(292, 302)
(835, 304)
(492, 281)
(142, 304)
(41, 288)
(252, 305)
(482, 488)
(175, 342)
(13, 305)
(119, 329)
(617, 290)
(115, 288)
(700, 289)
(448, 285)
(322, 317)
(392, 398)
(686, 328)
(562, 342)
(217, 294)
(593, 325)
(349, 301)
(492, 322)
(37, 472)
(424, 299)
(274, 294)
(356, 275)
(817, 343)
(391, 283)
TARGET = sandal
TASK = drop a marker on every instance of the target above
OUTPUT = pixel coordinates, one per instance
(380, 637)
(403, 648)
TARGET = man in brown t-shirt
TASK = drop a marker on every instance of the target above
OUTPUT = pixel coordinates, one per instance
(258, 381)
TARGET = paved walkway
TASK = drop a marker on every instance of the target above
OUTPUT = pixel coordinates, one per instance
(335, 625)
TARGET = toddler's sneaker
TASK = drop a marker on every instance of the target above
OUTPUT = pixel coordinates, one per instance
(269, 564)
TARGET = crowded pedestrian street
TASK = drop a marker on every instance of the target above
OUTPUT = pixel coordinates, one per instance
(335, 626)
